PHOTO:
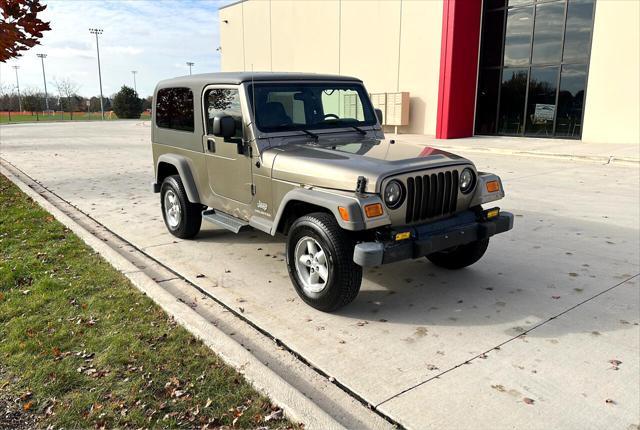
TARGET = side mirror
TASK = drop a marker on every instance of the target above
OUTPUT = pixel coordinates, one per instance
(379, 115)
(224, 126)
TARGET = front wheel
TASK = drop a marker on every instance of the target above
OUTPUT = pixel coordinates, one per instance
(460, 256)
(320, 262)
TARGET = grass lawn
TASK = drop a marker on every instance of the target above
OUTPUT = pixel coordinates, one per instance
(59, 117)
(80, 347)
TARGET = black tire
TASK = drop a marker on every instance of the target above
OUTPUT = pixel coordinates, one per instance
(190, 213)
(460, 256)
(344, 276)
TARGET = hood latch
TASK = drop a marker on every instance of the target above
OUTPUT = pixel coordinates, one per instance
(361, 185)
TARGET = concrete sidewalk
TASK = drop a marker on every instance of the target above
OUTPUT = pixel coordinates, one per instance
(552, 148)
(525, 338)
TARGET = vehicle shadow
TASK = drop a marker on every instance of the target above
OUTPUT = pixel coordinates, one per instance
(526, 277)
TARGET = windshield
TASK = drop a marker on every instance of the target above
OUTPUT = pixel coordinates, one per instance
(303, 106)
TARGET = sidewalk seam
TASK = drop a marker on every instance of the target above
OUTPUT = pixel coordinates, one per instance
(551, 318)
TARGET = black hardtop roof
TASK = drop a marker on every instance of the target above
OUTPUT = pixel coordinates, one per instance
(235, 78)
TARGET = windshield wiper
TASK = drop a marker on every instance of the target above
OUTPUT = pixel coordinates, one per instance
(308, 133)
(358, 129)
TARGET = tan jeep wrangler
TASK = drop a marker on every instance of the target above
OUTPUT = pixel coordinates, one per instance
(304, 155)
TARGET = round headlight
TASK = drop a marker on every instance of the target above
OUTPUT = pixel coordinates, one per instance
(393, 194)
(467, 179)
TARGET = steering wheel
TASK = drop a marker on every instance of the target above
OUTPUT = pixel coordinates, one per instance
(331, 115)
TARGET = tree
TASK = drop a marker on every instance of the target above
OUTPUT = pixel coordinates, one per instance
(147, 103)
(126, 103)
(20, 27)
(94, 104)
(33, 101)
(6, 99)
(67, 90)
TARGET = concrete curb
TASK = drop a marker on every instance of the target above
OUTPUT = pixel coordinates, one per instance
(294, 403)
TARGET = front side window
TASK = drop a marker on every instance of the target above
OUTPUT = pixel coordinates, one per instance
(302, 106)
(174, 109)
(223, 102)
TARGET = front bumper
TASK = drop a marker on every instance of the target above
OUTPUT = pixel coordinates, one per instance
(426, 239)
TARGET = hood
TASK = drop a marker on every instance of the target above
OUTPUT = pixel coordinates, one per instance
(337, 165)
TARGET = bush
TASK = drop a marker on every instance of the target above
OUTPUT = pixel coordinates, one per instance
(126, 103)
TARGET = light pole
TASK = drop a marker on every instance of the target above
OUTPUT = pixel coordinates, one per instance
(44, 78)
(98, 31)
(190, 64)
(135, 88)
(18, 86)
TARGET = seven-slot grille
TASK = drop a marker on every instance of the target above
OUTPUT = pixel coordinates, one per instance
(430, 196)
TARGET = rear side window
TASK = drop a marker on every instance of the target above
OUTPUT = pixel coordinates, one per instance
(174, 109)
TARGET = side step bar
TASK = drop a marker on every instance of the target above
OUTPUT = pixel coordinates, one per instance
(224, 220)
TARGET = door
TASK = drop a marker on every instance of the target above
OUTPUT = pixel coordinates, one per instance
(229, 169)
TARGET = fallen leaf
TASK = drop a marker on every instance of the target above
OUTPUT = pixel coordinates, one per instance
(610, 401)
(528, 401)
(200, 275)
(615, 364)
(208, 403)
(275, 415)
(27, 406)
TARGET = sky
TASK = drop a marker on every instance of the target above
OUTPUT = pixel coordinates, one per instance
(156, 38)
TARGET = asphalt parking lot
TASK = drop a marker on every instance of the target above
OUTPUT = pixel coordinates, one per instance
(525, 338)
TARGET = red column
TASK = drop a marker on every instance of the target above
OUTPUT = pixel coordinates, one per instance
(458, 68)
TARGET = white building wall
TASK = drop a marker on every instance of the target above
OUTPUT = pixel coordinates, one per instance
(368, 39)
(612, 107)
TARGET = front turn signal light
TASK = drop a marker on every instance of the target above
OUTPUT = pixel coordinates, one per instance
(493, 186)
(373, 210)
(344, 213)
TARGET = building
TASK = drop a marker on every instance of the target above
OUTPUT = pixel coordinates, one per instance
(545, 68)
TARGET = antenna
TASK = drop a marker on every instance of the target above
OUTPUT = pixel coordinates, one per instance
(253, 95)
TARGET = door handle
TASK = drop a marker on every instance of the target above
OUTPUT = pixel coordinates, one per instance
(211, 145)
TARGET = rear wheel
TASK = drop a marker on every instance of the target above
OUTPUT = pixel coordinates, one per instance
(182, 218)
(460, 256)
(320, 262)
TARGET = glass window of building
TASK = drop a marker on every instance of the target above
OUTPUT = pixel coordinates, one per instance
(534, 58)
